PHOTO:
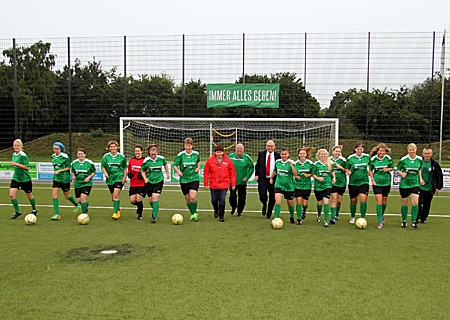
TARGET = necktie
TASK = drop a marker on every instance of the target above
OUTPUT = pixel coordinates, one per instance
(268, 166)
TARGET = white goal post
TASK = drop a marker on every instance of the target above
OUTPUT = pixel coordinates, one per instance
(169, 134)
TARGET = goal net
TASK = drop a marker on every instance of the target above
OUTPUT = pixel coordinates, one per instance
(169, 134)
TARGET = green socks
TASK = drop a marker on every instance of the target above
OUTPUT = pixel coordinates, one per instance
(380, 213)
(15, 204)
(363, 207)
(277, 210)
(404, 211)
(298, 208)
(384, 208)
(326, 210)
(72, 199)
(33, 203)
(333, 213)
(84, 206)
(56, 206)
(291, 212)
(192, 207)
(116, 205)
(353, 210)
(155, 209)
(414, 213)
(319, 209)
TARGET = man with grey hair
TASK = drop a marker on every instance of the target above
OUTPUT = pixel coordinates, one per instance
(432, 182)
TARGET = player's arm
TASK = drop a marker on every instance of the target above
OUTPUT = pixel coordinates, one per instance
(175, 165)
(166, 167)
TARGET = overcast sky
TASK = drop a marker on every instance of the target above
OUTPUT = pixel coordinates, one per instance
(83, 18)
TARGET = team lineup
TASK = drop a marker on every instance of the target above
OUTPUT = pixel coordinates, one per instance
(277, 175)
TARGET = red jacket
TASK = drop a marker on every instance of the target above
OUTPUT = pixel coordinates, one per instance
(217, 176)
(134, 166)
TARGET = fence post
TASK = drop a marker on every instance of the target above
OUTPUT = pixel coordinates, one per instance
(432, 89)
(125, 75)
(69, 96)
(367, 89)
(16, 104)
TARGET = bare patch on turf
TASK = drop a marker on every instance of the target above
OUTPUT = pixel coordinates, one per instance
(91, 254)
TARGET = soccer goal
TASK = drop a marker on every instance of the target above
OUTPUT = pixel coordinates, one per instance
(169, 134)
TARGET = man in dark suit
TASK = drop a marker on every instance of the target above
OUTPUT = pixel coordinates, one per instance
(263, 170)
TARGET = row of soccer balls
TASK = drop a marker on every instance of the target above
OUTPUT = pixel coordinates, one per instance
(360, 223)
(177, 218)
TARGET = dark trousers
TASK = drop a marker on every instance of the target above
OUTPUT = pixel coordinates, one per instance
(425, 198)
(238, 198)
(218, 201)
(266, 194)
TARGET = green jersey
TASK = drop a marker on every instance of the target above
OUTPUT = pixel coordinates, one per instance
(59, 162)
(187, 163)
(284, 175)
(21, 175)
(427, 176)
(377, 165)
(244, 167)
(341, 176)
(114, 166)
(303, 168)
(82, 170)
(153, 169)
(320, 169)
(411, 167)
(359, 166)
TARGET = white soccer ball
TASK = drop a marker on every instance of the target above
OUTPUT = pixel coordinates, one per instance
(83, 219)
(277, 223)
(30, 219)
(177, 218)
(361, 223)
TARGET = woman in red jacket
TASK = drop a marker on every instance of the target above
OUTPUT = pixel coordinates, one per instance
(218, 176)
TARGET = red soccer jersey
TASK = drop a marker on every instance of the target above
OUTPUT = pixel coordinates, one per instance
(134, 166)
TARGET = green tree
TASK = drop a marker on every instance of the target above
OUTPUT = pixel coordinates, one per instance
(36, 89)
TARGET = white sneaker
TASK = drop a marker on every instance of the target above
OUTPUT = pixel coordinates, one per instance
(352, 220)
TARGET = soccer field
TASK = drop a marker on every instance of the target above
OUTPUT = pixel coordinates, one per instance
(240, 269)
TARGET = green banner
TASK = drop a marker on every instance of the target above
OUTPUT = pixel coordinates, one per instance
(227, 95)
(7, 170)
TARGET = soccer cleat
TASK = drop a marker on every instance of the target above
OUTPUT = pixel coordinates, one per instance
(119, 212)
(333, 221)
(352, 220)
(404, 224)
(383, 221)
(215, 215)
(16, 215)
(221, 220)
(325, 224)
(303, 215)
(56, 217)
(336, 218)
(423, 221)
(195, 217)
(153, 220)
(291, 220)
(380, 226)
(114, 216)
(77, 207)
(233, 211)
(414, 225)
(299, 222)
(34, 212)
(139, 217)
(318, 219)
(239, 214)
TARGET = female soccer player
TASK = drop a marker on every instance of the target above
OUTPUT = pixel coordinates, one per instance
(187, 166)
(61, 178)
(324, 177)
(137, 184)
(381, 165)
(114, 167)
(219, 175)
(83, 170)
(358, 185)
(154, 179)
(338, 188)
(302, 182)
(21, 179)
(410, 169)
(284, 183)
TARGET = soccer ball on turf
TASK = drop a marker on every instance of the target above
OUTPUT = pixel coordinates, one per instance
(361, 223)
(177, 218)
(30, 219)
(277, 223)
(83, 218)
